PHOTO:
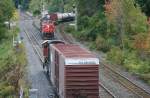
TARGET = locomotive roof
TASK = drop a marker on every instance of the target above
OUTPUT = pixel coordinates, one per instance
(73, 51)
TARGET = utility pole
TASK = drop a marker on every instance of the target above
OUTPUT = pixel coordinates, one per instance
(76, 16)
(42, 8)
(76, 19)
(42, 5)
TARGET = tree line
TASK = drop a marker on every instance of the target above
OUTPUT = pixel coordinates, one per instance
(119, 28)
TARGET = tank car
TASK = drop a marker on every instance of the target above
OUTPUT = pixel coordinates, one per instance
(62, 17)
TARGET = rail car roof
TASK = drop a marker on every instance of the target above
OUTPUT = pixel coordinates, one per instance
(52, 41)
(70, 51)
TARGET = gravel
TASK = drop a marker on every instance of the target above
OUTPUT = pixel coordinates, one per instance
(117, 89)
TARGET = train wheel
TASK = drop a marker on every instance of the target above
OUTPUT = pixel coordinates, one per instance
(56, 96)
(42, 35)
(43, 65)
(47, 70)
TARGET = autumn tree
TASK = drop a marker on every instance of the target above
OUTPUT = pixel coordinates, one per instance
(125, 15)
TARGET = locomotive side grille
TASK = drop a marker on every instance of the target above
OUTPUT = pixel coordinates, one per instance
(81, 80)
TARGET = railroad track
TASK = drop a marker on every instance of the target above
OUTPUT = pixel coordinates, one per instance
(26, 16)
(33, 38)
(37, 37)
(106, 92)
(127, 83)
(36, 48)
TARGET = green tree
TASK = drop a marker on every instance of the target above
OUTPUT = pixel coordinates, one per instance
(35, 6)
(132, 33)
(87, 8)
(25, 4)
(56, 6)
(125, 16)
(69, 5)
(6, 12)
(52, 5)
(145, 5)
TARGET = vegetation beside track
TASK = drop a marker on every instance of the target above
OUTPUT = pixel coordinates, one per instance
(12, 66)
(116, 30)
(12, 58)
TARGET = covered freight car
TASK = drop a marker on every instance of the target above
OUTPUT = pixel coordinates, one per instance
(74, 71)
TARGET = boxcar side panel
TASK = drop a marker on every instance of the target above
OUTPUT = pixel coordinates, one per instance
(61, 77)
(52, 51)
(82, 80)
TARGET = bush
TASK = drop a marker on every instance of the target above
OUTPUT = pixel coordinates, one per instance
(140, 67)
(103, 44)
(146, 77)
(132, 64)
(92, 45)
(83, 22)
(100, 43)
(135, 64)
(82, 35)
(115, 55)
(36, 12)
(7, 91)
(69, 29)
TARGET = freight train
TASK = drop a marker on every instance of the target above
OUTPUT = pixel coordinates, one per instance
(73, 71)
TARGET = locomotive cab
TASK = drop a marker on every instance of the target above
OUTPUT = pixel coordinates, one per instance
(47, 28)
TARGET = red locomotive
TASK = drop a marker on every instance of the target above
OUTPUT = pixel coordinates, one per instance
(47, 29)
(73, 71)
(48, 22)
